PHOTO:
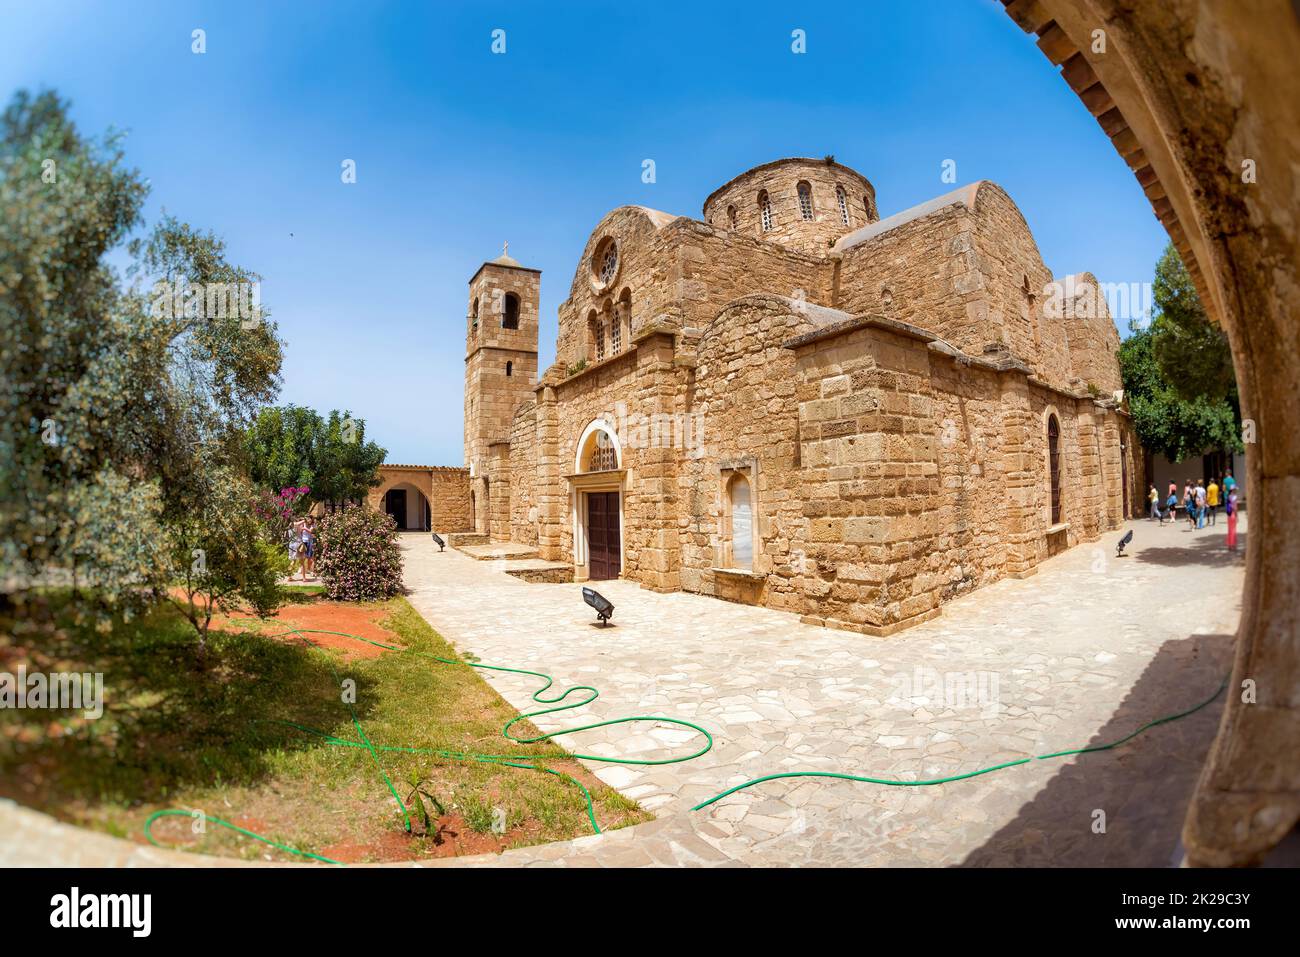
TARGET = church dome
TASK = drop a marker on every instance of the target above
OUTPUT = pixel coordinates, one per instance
(800, 202)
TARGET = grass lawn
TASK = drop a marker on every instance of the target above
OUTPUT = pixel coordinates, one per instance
(212, 739)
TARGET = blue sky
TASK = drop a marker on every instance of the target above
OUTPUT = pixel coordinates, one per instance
(458, 149)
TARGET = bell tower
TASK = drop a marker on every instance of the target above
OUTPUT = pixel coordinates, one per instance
(500, 355)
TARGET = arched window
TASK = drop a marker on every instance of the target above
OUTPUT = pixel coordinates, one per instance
(731, 216)
(599, 452)
(510, 319)
(1054, 465)
(509, 368)
(740, 523)
(600, 339)
(866, 207)
(764, 211)
(844, 204)
(473, 313)
(805, 201)
(622, 321)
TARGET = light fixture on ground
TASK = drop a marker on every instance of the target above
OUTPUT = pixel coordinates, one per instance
(604, 607)
(437, 540)
(1119, 549)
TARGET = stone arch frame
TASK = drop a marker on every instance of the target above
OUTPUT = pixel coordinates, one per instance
(1050, 413)
(1249, 794)
(407, 483)
(594, 426)
(729, 476)
(606, 481)
(1184, 141)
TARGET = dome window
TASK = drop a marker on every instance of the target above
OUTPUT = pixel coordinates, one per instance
(805, 201)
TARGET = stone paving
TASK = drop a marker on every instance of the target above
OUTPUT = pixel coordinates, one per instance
(1080, 654)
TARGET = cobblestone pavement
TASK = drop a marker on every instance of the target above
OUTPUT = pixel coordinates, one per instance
(1081, 654)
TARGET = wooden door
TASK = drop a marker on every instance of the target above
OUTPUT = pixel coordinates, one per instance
(604, 554)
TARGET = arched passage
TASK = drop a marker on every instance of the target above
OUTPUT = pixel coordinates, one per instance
(408, 506)
(1198, 99)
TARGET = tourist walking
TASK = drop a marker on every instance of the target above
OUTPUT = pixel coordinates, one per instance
(1230, 509)
(1189, 504)
(295, 546)
(1171, 504)
(1153, 497)
(309, 543)
(1200, 498)
(1212, 500)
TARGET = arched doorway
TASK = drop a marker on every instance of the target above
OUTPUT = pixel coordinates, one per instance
(408, 507)
(597, 502)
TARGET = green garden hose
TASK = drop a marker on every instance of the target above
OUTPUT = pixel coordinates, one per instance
(518, 760)
(509, 760)
(929, 782)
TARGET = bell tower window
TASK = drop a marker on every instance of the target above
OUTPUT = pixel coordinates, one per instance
(510, 316)
(765, 211)
(844, 204)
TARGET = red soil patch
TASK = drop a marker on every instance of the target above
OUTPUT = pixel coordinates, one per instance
(323, 616)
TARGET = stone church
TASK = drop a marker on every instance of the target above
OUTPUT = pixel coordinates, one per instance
(793, 402)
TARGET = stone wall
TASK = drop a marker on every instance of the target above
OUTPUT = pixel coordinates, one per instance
(1091, 333)
(676, 273)
(890, 473)
(745, 385)
(970, 271)
(780, 180)
(523, 467)
(446, 488)
(641, 394)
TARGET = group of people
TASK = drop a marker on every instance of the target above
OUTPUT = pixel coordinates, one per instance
(302, 547)
(1200, 504)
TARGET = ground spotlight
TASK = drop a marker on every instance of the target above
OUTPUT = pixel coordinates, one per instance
(604, 607)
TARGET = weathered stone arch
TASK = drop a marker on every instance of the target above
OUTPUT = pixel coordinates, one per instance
(1193, 147)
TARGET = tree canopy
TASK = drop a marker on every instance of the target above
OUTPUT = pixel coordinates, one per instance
(1177, 372)
(118, 419)
(295, 446)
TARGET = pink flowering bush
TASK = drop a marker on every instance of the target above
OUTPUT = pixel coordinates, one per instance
(277, 512)
(358, 557)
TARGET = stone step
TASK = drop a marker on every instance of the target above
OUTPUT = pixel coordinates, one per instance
(498, 551)
(539, 571)
(460, 539)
